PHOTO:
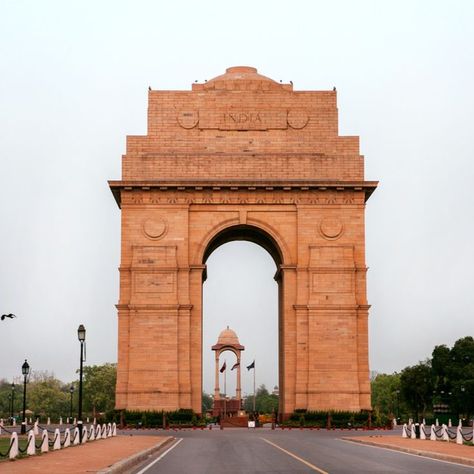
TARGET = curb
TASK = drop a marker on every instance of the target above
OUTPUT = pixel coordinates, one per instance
(416, 452)
(125, 465)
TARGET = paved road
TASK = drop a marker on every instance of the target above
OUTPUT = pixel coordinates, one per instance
(240, 451)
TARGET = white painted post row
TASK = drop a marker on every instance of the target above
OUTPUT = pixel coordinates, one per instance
(98, 432)
(433, 436)
(91, 434)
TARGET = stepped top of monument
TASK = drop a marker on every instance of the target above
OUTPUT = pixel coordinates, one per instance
(241, 77)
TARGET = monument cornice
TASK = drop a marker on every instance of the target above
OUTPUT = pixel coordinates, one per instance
(368, 187)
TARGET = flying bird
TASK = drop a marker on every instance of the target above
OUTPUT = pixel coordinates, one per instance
(11, 316)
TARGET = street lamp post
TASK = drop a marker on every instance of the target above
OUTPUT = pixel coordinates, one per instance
(71, 391)
(81, 335)
(398, 404)
(13, 400)
(25, 370)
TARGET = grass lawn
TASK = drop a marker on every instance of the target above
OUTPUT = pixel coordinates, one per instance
(5, 444)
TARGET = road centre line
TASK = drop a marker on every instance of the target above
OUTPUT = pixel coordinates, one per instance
(161, 456)
(311, 466)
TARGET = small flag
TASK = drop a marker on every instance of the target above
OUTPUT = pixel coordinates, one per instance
(223, 367)
(251, 366)
(237, 364)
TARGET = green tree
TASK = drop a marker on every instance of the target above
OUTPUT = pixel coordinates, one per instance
(99, 388)
(417, 388)
(47, 396)
(453, 372)
(207, 402)
(386, 395)
(5, 398)
(265, 402)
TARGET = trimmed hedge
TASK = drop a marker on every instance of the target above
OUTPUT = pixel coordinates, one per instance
(154, 419)
(334, 419)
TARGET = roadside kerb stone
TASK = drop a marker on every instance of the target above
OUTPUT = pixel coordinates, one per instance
(125, 465)
(418, 452)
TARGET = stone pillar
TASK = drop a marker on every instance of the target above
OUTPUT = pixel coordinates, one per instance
(238, 390)
(217, 395)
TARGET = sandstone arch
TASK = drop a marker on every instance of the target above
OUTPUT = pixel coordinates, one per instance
(243, 152)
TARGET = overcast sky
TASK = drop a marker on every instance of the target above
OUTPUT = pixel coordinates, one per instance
(74, 79)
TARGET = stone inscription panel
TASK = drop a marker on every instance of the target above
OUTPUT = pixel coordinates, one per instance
(156, 282)
(156, 256)
(332, 283)
(243, 119)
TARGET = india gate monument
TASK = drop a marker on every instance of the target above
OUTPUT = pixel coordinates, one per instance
(243, 157)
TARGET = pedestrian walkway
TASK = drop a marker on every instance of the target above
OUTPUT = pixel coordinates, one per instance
(443, 450)
(90, 457)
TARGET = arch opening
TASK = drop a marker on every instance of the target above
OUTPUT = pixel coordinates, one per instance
(244, 291)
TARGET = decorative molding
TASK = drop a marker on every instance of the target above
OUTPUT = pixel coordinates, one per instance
(331, 228)
(155, 228)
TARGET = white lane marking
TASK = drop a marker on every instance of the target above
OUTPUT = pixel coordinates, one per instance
(311, 466)
(161, 456)
(422, 456)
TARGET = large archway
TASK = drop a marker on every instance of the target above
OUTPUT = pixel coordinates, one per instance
(241, 289)
(243, 157)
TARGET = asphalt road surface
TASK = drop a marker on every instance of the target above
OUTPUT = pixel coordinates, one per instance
(241, 451)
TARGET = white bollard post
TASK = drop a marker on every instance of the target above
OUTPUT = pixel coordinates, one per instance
(422, 431)
(459, 439)
(424, 422)
(404, 431)
(433, 434)
(76, 436)
(109, 430)
(60, 421)
(57, 439)
(31, 449)
(67, 438)
(30, 420)
(94, 422)
(445, 433)
(87, 420)
(450, 425)
(1, 422)
(413, 434)
(74, 422)
(67, 421)
(92, 433)
(437, 422)
(48, 422)
(14, 422)
(14, 442)
(84, 434)
(114, 430)
(98, 432)
(44, 442)
(35, 428)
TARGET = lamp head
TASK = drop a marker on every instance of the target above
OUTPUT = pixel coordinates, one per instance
(81, 333)
(71, 388)
(25, 368)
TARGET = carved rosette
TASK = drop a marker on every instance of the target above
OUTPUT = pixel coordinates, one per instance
(331, 228)
(297, 118)
(188, 118)
(155, 228)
